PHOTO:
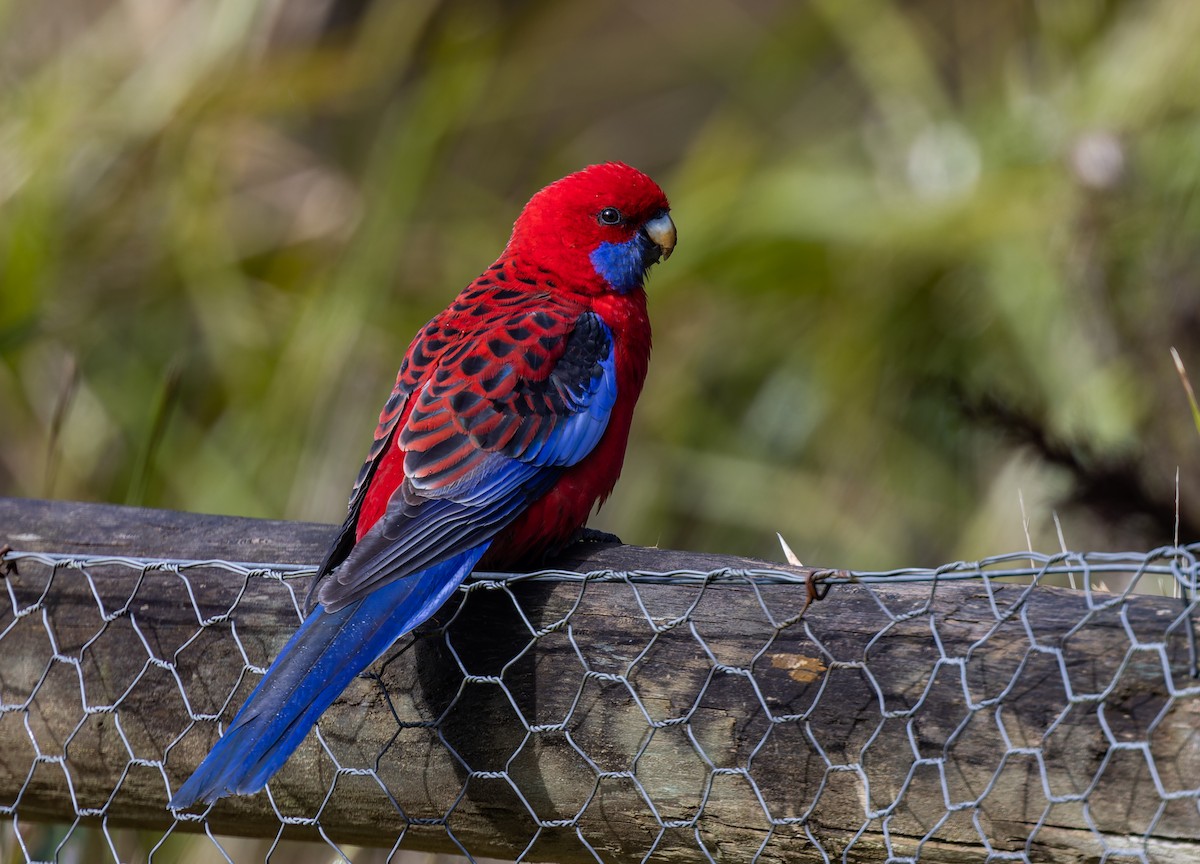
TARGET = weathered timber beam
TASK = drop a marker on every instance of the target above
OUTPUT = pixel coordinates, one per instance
(882, 704)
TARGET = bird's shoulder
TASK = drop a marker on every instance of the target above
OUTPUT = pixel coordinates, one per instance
(513, 320)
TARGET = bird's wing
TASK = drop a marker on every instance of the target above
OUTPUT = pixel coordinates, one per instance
(384, 431)
(496, 416)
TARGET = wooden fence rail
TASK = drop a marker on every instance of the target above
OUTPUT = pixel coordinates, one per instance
(570, 720)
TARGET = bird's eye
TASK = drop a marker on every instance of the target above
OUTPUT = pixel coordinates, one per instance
(610, 216)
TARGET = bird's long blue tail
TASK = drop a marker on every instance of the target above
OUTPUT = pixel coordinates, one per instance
(315, 666)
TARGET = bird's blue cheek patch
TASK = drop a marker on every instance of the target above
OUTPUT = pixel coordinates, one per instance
(621, 265)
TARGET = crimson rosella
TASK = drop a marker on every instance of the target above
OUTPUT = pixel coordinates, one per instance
(507, 424)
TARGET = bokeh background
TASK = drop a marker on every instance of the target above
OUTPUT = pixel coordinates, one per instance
(932, 256)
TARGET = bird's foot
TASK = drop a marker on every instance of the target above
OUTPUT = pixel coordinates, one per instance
(581, 536)
(591, 535)
(7, 568)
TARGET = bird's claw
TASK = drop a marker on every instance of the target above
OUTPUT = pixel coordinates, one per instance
(591, 535)
(581, 536)
(7, 568)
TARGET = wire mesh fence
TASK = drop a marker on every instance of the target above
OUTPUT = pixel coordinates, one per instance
(1021, 708)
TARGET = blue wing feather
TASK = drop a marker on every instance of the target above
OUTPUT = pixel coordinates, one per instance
(315, 666)
(414, 557)
(573, 438)
(431, 517)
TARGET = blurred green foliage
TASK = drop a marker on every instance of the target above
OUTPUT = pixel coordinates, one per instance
(932, 256)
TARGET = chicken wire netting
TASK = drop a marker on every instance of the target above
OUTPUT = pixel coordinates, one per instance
(1022, 708)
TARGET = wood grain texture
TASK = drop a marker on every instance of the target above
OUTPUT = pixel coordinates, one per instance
(661, 713)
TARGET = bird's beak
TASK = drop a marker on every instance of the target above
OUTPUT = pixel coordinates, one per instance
(661, 230)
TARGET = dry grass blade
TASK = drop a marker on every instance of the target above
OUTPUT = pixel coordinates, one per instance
(1187, 386)
(788, 555)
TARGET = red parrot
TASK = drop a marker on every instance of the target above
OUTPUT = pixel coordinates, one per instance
(506, 426)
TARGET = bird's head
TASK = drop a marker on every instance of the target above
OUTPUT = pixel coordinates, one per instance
(599, 229)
